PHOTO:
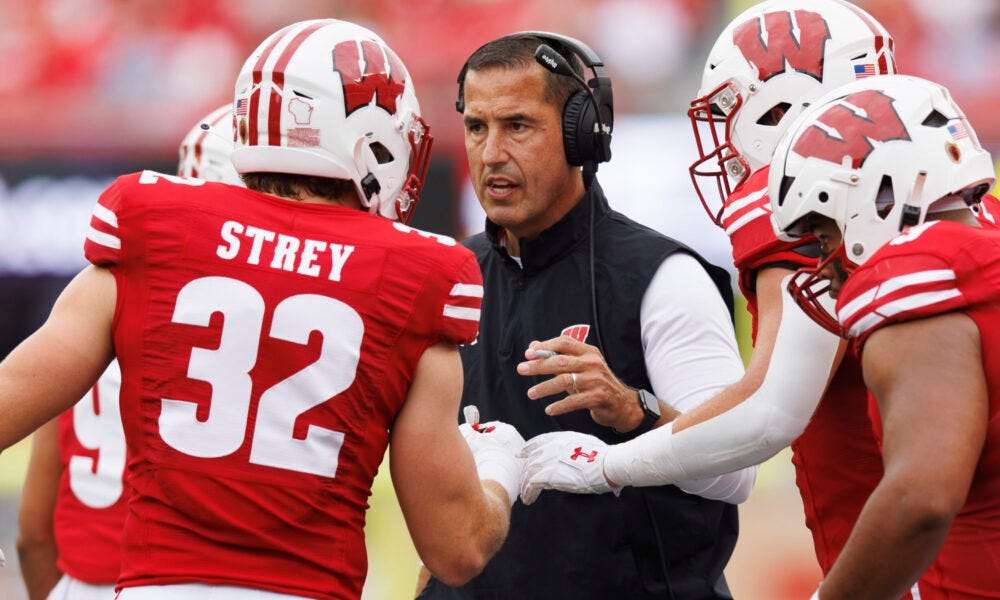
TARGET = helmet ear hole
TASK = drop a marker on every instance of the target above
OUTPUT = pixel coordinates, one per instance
(774, 115)
(786, 184)
(885, 199)
(382, 154)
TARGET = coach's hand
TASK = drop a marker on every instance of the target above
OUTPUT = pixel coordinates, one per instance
(581, 372)
(567, 461)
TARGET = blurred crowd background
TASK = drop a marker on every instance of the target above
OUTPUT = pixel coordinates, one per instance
(90, 89)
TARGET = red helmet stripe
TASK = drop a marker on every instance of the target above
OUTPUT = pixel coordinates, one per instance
(278, 78)
(258, 75)
(881, 35)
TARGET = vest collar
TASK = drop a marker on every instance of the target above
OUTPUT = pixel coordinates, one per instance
(558, 239)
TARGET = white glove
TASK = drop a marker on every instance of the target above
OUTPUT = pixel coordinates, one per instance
(567, 461)
(495, 448)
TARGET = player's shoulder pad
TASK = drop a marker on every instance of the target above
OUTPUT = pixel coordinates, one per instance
(929, 269)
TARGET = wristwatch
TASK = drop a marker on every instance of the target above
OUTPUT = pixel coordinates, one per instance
(650, 411)
(650, 414)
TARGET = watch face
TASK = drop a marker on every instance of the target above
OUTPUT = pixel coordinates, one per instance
(649, 403)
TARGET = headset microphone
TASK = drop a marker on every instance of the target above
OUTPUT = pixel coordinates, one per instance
(556, 63)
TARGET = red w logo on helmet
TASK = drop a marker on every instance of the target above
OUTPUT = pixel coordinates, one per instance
(848, 127)
(376, 82)
(797, 39)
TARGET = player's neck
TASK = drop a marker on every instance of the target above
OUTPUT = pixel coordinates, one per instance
(958, 215)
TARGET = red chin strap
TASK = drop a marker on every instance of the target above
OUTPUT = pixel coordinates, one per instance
(807, 286)
(716, 153)
(421, 142)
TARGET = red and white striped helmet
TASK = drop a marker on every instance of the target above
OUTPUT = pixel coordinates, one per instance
(875, 156)
(206, 151)
(770, 62)
(329, 98)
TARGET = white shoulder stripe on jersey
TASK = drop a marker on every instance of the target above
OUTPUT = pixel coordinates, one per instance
(744, 201)
(102, 213)
(903, 304)
(104, 239)
(461, 312)
(467, 289)
(893, 285)
(857, 304)
(750, 216)
(897, 283)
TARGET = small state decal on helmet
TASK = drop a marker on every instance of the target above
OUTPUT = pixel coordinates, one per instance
(772, 40)
(301, 111)
(847, 128)
(382, 81)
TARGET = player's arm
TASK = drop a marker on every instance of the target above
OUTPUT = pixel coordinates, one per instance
(456, 520)
(36, 544)
(53, 368)
(928, 379)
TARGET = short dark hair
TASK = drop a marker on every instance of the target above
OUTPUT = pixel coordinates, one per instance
(289, 185)
(518, 52)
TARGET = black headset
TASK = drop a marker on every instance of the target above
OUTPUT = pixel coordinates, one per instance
(588, 116)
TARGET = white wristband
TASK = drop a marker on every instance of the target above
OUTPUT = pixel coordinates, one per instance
(499, 465)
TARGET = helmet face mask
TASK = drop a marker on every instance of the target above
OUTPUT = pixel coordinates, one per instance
(765, 67)
(719, 162)
(808, 288)
(876, 157)
(206, 151)
(328, 98)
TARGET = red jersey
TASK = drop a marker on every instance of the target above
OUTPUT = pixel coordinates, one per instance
(90, 507)
(931, 269)
(837, 460)
(988, 211)
(266, 346)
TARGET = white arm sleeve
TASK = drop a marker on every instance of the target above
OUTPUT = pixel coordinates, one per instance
(691, 354)
(751, 432)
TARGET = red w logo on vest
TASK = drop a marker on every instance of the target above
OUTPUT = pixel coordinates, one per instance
(376, 82)
(577, 332)
(848, 127)
(798, 39)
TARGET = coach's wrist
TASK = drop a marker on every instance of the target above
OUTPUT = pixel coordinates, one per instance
(643, 415)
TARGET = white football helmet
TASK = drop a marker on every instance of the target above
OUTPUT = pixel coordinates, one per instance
(329, 98)
(876, 156)
(770, 62)
(207, 149)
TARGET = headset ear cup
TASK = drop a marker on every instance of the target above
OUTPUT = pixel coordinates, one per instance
(578, 129)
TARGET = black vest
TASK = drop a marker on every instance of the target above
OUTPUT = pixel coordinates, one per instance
(585, 546)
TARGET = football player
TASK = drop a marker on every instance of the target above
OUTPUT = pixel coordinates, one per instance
(882, 173)
(273, 340)
(206, 151)
(73, 501)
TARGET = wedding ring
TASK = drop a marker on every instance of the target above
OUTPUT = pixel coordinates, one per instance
(575, 389)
